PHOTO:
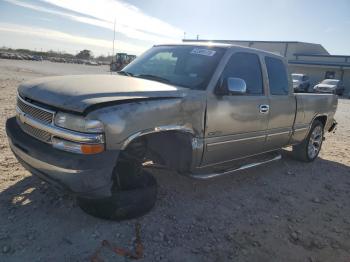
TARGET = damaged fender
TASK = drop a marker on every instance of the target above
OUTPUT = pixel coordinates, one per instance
(172, 127)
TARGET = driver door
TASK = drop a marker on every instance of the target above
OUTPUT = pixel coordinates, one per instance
(236, 124)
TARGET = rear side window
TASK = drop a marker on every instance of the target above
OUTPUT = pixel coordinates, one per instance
(277, 74)
(247, 67)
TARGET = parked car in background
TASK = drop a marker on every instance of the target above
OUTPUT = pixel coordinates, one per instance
(301, 82)
(90, 62)
(4, 55)
(334, 86)
(37, 58)
(27, 57)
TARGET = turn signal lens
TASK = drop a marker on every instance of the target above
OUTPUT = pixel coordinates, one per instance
(92, 149)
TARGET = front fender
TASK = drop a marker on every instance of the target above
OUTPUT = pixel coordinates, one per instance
(125, 122)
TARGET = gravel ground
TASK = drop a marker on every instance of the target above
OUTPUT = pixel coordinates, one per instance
(285, 211)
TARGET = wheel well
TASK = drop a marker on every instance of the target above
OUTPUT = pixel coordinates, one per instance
(322, 119)
(169, 148)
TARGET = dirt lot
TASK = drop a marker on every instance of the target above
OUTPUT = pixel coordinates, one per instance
(285, 211)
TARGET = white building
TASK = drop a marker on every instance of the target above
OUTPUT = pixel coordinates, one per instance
(306, 58)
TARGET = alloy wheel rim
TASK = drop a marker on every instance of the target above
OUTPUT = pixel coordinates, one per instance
(315, 142)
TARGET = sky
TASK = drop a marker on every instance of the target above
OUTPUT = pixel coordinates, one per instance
(72, 25)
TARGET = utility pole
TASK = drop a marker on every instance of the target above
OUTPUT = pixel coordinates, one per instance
(197, 37)
(113, 39)
(184, 35)
(113, 44)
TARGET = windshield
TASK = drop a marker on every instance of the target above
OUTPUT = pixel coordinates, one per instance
(185, 66)
(330, 81)
(297, 77)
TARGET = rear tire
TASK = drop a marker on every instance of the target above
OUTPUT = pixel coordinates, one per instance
(308, 150)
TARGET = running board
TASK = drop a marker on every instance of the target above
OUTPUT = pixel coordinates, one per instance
(231, 171)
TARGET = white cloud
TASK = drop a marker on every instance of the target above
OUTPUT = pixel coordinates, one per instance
(331, 29)
(131, 22)
(43, 19)
(82, 42)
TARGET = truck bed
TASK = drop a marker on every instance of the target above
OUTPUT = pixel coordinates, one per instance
(309, 106)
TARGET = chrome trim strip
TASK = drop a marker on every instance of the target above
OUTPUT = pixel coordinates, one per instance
(279, 133)
(301, 129)
(235, 140)
(209, 176)
(37, 107)
(40, 165)
(61, 132)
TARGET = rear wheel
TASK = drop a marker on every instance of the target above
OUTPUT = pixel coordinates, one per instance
(309, 149)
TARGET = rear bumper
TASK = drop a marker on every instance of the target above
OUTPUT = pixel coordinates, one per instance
(84, 175)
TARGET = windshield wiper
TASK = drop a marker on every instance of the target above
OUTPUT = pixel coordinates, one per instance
(153, 77)
(125, 73)
(146, 76)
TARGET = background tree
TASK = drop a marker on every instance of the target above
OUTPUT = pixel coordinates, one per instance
(85, 54)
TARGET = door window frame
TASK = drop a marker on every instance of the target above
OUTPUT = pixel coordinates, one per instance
(262, 72)
(268, 80)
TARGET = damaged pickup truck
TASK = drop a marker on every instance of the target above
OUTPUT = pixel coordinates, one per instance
(201, 110)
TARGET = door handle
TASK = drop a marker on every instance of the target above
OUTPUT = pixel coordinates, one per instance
(264, 109)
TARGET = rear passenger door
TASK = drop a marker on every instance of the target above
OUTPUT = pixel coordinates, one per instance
(235, 125)
(282, 104)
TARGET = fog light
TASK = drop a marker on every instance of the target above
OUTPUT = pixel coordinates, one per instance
(78, 148)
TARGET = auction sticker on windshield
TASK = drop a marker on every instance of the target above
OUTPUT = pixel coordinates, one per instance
(206, 52)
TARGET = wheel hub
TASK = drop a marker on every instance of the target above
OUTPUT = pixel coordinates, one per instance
(315, 142)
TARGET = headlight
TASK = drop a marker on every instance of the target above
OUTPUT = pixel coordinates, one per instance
(78, 123)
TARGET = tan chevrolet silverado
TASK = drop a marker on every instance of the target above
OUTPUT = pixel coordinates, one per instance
(203, 110)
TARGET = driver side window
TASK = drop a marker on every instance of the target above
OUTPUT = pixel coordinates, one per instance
(247, 67)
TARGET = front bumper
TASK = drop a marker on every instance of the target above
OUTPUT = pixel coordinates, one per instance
(83, 175)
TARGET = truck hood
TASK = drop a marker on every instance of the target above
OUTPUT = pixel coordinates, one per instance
(78, 92)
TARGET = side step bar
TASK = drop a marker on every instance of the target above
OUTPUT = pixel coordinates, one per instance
(231, 171)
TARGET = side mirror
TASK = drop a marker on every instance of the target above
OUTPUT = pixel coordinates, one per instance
(236, 86)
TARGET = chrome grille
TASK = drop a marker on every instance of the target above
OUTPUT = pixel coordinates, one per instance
(35, 112)
(37, 133)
